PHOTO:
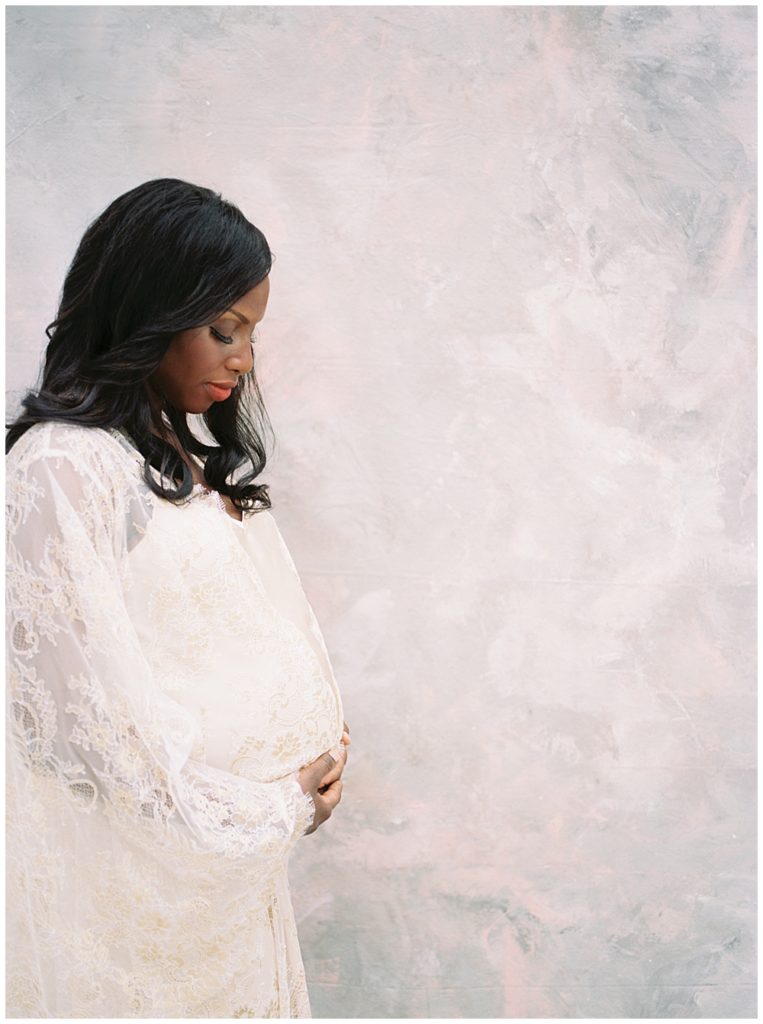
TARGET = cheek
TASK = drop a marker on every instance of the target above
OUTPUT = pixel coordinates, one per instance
(181, 367)
(193, 362)
(187, 364)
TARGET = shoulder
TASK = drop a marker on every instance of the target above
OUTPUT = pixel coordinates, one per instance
(89, 452)
(54, 439)
(87, 467)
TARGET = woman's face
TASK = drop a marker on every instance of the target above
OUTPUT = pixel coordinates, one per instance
(203, 364)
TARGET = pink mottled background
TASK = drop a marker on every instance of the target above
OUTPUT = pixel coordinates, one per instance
(509, 357)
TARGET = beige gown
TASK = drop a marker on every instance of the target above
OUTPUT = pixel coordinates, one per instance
(166, 681)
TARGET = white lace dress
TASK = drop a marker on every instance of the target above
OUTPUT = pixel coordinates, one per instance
(166, 681)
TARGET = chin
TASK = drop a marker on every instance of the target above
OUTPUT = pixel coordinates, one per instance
(196, 408)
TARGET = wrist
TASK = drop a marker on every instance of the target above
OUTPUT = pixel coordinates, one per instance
(305, 811)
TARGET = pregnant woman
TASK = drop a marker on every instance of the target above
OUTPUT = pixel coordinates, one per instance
(174, 725)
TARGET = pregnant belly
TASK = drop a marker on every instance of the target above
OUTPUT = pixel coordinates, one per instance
(231, 636)
(266, 713)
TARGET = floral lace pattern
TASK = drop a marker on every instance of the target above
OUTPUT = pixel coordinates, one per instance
(166, 681)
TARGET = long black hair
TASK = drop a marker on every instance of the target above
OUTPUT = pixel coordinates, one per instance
(162, 258)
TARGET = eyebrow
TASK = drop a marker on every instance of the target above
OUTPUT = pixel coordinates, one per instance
(241, 316)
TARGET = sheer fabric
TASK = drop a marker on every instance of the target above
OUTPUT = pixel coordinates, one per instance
(166, 681)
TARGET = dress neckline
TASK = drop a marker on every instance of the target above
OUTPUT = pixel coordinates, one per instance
(119, 433)
(218, 499)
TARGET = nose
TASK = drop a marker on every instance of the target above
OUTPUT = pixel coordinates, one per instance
(241, 357)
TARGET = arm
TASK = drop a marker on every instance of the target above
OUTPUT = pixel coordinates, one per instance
(87, 716)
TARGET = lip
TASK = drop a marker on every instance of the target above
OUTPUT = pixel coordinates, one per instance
(220, 391)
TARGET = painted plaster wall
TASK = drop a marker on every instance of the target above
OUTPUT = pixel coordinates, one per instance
(509, 360)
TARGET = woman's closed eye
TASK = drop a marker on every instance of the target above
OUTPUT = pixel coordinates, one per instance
(228, 339)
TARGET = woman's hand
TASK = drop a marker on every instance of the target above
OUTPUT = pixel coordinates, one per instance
(340, 760)
(322, 778)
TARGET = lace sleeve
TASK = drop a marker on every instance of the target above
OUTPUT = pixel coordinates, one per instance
(85, 715)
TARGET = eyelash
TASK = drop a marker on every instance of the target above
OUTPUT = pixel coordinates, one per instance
(227, 339)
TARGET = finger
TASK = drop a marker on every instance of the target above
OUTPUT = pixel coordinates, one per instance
(335, 772)
(346, 728)
(333, 794)
(314, 772)
(326, 802)
(326, 764)
(327, 760)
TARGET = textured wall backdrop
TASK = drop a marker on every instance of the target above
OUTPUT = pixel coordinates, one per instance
(509, 358)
